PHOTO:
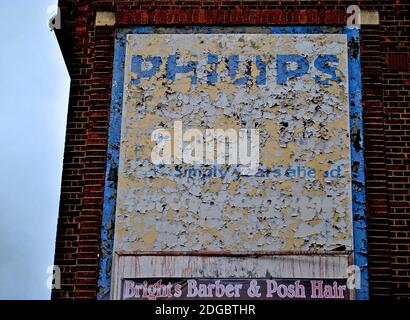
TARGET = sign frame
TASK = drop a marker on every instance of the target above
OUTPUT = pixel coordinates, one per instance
(356, 143)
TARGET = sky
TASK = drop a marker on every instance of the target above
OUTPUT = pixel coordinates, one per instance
(34, 87)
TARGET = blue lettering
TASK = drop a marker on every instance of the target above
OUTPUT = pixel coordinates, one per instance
(173, 68)
(261, 65)
(233, 66)
(212, 76)
(136, 67)
(322, 64)
(147, 67)
(283, 73)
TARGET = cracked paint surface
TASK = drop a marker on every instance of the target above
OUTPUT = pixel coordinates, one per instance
(302, 122)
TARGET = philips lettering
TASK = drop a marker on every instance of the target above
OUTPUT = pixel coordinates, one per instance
(239, 69)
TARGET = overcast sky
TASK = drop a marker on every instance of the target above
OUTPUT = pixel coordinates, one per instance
(34, 86)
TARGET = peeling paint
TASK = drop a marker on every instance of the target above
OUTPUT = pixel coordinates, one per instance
(302, 122)
(290, 117)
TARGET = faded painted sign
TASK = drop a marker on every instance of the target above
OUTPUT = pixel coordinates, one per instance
(228, 157)
(291, 89)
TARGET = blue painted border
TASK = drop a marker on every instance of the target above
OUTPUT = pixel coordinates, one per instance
(356, 128)
(358, 162)
(113, 154)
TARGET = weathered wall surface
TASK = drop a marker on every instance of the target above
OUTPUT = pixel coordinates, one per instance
(89, 55)
(303, 123)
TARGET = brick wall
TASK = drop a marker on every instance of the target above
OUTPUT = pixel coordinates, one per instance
(88, 52)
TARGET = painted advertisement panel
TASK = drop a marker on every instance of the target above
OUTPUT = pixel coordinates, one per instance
(279, 104)
(235, 152)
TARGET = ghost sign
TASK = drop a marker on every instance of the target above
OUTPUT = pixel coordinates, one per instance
(229, 143)
(273, 110)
